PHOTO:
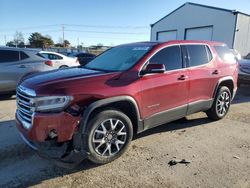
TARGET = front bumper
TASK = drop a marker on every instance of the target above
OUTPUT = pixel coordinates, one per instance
(61, 151)
(64, 124)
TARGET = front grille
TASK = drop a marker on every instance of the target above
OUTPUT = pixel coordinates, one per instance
(245, 69)
(24, 106)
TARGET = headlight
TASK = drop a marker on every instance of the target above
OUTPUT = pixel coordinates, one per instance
(51, 103)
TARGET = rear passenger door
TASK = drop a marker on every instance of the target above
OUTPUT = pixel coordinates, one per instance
(202, 77)
(165, 95)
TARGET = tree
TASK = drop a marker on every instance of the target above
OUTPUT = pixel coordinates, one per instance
(18, 39)
(66, 43)
(58, 45)
(47, 41)
(11, 44)
(37, 40)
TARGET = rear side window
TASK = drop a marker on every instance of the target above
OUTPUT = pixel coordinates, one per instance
(170, 57)
(23, 55)
(51, 56)
(8, 56)
(198, 55)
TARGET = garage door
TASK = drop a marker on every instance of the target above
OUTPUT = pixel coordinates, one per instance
(203, 33)
(166, 35)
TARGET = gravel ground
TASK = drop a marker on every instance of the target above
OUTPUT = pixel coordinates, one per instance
(219, 153)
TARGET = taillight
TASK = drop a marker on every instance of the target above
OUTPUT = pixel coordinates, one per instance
(77, 61)
(49, 63)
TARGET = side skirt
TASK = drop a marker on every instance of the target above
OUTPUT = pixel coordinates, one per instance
(176, 113)
(165, 117)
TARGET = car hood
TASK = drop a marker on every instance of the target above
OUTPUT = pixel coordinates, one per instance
(61, 76)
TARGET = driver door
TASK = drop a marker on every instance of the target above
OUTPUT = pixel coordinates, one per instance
(165, 95)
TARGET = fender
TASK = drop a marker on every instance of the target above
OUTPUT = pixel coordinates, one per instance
(103, 102)
(226, 78)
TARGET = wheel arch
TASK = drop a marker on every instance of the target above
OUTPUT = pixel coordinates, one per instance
(225, 81)
(126, 104)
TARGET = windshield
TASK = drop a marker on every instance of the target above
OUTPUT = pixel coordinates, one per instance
(119, 58)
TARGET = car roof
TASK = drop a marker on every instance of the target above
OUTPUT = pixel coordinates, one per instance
(19, 49)
(172, 42)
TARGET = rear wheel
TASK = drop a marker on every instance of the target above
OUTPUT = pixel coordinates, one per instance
(221, 104)
(63, 67)
(110, 133)
(6, 96)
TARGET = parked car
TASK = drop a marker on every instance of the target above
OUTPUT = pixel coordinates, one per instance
(236, 54)
(16, 63)
(94, 111)
(244, 68)
(59, 60)
(83, 58)
(244, 72)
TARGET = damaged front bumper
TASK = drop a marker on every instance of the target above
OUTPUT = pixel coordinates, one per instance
(60, 154)
(66, 154)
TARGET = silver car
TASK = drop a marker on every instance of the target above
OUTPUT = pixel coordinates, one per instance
(15, 63)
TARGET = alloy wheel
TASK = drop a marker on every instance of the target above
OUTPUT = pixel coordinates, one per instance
(109, 137)
(223, 103)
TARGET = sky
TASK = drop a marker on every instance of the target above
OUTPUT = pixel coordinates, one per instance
(109, 22)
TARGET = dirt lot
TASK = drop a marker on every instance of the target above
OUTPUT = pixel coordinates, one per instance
(219, 153)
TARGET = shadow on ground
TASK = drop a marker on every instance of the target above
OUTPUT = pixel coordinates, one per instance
(47, 170)
(242, 95)
(7, 98)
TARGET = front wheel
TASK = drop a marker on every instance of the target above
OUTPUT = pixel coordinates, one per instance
(110, 133)
(221, 104)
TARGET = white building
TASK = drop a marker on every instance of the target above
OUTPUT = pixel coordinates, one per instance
(200, 22)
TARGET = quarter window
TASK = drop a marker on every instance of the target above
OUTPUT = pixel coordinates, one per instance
(170, 57)
(8, 56)
(224, 53)
(23, 55)
(197, 55)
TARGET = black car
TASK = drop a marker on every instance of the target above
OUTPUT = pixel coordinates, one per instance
(83, 58)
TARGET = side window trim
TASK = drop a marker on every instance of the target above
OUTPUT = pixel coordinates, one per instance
(185, 57)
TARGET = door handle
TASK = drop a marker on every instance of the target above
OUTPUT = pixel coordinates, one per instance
(215, 72)
(183, 77)
(21, 66)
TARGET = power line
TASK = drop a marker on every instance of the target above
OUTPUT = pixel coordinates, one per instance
(77, 25)
(29, 27)
(108, 32)
(108, 26)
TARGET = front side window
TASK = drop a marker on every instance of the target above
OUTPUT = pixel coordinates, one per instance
(170, 57)
(198, 55)
(119, 58)
(9, 56)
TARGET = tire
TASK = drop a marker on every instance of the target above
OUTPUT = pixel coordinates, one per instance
(221, 104)
(6, 96)
(63, 67)
(103, 147)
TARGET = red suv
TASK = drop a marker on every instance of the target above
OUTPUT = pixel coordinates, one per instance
(94, 111)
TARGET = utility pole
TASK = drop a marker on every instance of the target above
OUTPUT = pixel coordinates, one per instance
(5, 40)
(63, 35)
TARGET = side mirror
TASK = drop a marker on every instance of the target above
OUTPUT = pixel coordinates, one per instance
(154, 68)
